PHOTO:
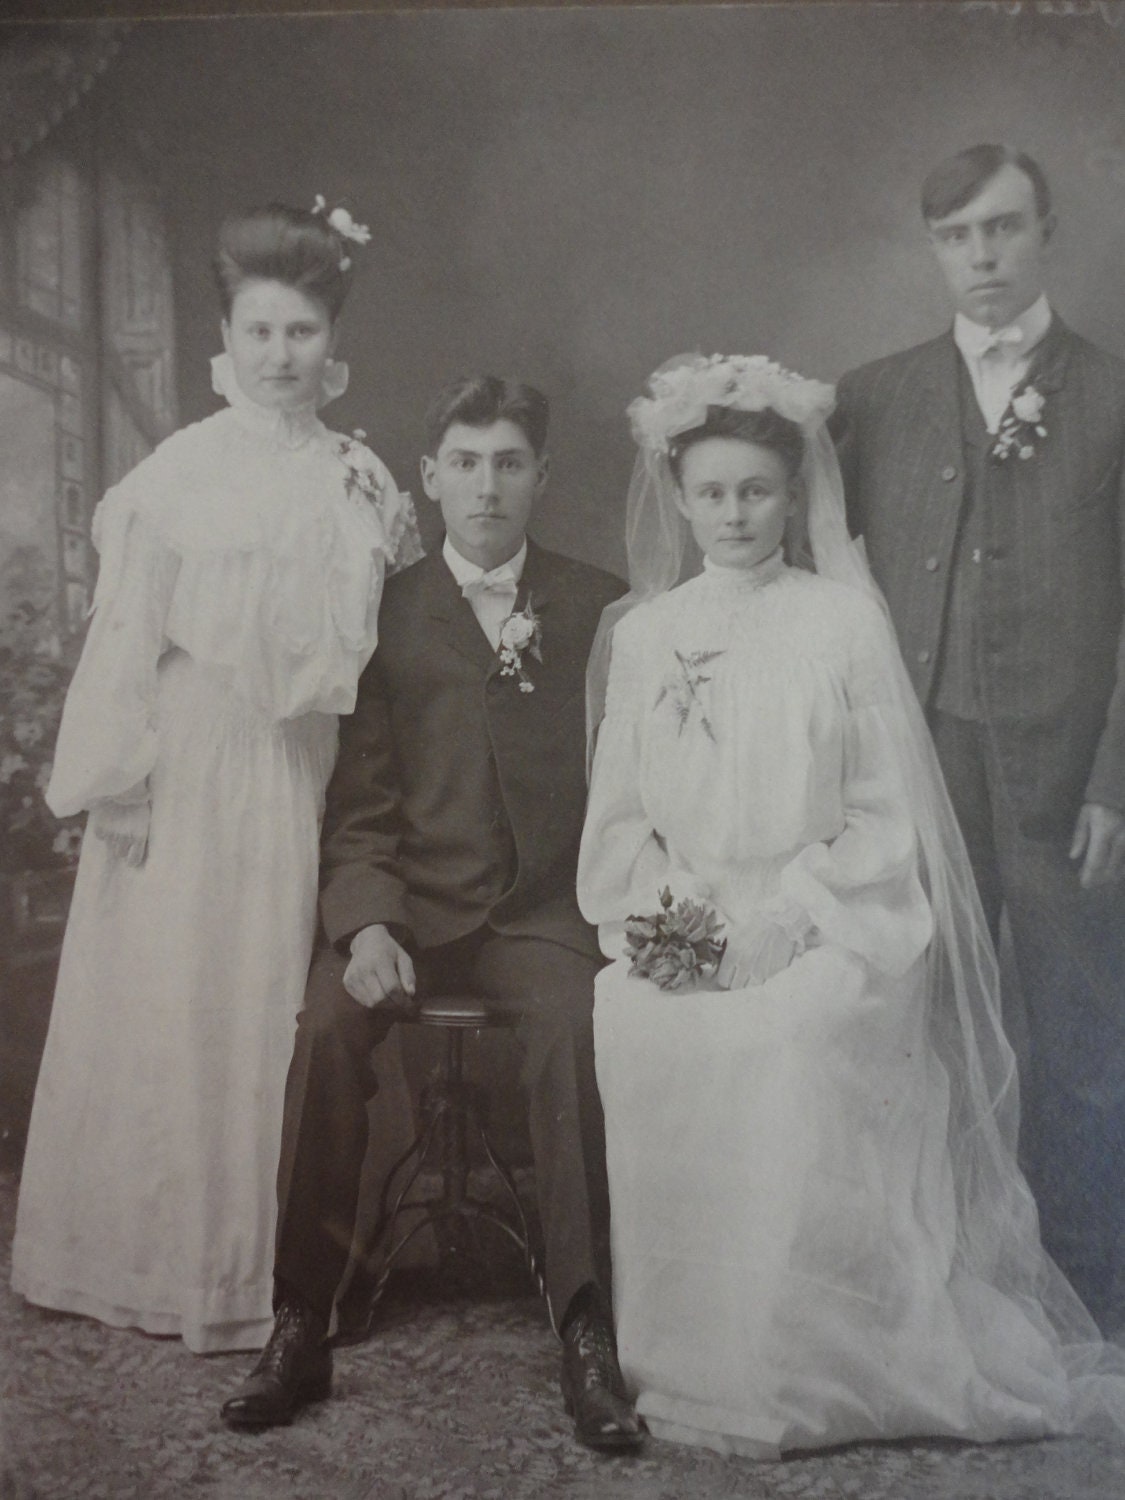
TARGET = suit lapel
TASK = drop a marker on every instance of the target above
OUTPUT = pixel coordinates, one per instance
(535, 585)
(1047, 370)
(453, 616)
(939, 387)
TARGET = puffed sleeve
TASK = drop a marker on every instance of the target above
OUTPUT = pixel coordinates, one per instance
(862, 890)
(622, 861)
(107, 739)
(395, 508)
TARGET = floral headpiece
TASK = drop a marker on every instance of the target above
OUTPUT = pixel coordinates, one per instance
(344, 225)
(682, 394)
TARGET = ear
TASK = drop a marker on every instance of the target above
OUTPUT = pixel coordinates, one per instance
(225, 326)
(1047, 226)
(429, 476)
(680, 503)
(543, 472)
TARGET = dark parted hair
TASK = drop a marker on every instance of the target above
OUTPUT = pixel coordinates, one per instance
(481, 400)
(765, 428)
(957, 180)
(279, 243)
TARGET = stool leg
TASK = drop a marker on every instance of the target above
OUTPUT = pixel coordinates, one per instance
(455, 1140)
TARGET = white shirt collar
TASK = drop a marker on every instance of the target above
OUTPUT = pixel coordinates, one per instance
(974, 338)
(465, 571)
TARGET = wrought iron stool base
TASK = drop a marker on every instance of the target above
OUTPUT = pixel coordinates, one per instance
(453, 1110)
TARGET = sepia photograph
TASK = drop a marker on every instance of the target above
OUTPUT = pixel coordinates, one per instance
(562, 750)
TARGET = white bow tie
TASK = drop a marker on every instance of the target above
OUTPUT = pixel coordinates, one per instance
(501, 580)
(986, 340)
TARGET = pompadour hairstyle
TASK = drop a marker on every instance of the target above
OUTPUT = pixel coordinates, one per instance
(956, 181)
(278, 243)
(481, 400)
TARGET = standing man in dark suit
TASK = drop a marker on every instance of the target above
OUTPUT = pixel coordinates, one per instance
(450, 848)
(985, 471)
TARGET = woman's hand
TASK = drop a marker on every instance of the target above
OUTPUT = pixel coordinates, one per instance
(756, 951)
(124, 827)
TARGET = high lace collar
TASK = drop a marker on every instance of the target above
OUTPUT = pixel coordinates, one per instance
(746, 578)
(289, 429)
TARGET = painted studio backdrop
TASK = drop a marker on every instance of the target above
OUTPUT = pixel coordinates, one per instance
(569, 196)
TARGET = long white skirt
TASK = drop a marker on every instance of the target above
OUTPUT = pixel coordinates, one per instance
(783, 1221)
(148, 1191)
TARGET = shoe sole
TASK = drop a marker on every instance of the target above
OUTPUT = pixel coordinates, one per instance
(606, 1442)
(318, 1389)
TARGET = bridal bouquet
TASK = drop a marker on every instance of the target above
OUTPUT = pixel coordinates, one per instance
(679, 944)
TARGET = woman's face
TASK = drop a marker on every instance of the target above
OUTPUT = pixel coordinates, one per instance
(279, 341)
(736, 497)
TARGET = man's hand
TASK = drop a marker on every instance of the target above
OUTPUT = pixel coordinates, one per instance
(381, 971)
(1099, 842)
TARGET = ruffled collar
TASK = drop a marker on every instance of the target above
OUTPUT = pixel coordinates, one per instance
(746, 578)
(289, 429)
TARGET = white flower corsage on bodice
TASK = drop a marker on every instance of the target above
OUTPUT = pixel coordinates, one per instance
(681, 688)
(359, 478)
(1020, 425)
(520, 632)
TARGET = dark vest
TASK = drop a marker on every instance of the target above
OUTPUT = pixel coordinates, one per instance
(958, 686)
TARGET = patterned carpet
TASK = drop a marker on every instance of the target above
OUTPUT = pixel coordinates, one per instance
(455, 1398)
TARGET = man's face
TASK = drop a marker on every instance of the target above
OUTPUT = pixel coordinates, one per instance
(485, 479)
(993, 251)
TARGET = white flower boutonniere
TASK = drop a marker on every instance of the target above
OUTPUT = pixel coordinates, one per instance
(520, 632)
(1020, 425)
(359, 478)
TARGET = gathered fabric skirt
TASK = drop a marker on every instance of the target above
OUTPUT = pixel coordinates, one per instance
(784, 1221)
(147, 1196)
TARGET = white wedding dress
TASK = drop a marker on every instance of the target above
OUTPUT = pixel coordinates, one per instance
(241, 573)
(783, 1209)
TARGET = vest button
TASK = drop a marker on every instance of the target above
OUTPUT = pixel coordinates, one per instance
(948, 473)
(931, 564)
(923, 657)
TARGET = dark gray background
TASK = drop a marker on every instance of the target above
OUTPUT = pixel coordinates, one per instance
(572, 196)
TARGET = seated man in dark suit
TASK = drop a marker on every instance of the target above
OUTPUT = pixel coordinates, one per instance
(450, 847)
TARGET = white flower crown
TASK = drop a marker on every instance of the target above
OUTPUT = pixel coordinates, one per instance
(682, 393)
(344, 225)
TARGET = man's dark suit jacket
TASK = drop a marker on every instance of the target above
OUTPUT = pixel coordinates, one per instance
(1050, 601)
(457, 799)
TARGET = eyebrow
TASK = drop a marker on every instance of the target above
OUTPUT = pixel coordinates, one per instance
(945, 225)
(479, 452)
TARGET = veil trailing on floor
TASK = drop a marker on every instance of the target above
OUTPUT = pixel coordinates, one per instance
(997, 1233)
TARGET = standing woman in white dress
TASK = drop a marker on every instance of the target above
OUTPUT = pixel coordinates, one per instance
(819, 1230)
(242, 565)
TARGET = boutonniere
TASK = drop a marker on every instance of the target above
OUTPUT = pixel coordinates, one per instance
(683, 685)
(520, 632)
(359, 477)
(1020, 425)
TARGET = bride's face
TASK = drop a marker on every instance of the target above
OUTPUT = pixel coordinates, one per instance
(279, 341)
(736, 497)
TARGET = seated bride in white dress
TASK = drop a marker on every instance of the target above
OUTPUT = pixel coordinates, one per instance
(819, 1230)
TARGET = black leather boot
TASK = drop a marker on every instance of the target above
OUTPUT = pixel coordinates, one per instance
(293, 1369)
(592, 1384)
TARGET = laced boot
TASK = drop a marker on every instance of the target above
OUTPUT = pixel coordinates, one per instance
(294, 1368)
(592, 1384)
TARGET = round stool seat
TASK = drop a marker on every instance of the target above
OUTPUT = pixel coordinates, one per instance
(457, 1010)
